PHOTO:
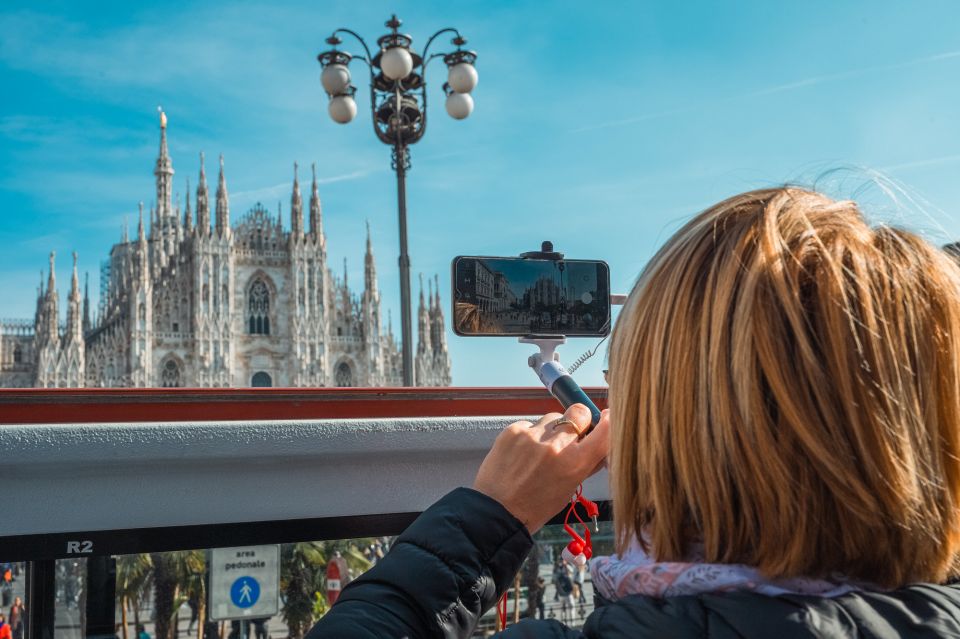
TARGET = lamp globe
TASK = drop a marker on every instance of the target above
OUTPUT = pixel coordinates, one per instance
(462, 77)
(335, 79)
(459, 105)
(343, 108)
(396, 63)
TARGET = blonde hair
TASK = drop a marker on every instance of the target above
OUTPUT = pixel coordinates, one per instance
(785, 389)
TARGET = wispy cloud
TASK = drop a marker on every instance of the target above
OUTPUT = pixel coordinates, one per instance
(853, 73)
(283, 189)
(917, 164)
(354, 175)
(777, 88)
(218, 52)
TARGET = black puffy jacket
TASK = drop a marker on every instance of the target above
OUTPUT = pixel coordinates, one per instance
(454, 561)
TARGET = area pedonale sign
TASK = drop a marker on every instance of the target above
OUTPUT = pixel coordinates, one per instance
(244, 582)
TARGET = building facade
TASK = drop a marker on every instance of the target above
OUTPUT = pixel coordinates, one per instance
(194, 301)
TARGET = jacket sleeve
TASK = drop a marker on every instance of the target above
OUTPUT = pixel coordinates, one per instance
(441, 575)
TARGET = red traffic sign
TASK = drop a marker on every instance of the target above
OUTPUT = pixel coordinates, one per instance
(336, 576)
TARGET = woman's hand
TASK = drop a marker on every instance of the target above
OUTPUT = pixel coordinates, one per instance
(534, 469)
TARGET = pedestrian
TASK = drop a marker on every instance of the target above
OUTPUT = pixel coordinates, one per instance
(4, 628)
(565, 593)
(17, 612)
(142, 632)
(579, 576)
(538, 597)
(7, 586)
(194, 603)
(69, 587)
(260, 627)
(557, 571)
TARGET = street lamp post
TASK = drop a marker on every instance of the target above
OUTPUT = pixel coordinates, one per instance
(398, 103)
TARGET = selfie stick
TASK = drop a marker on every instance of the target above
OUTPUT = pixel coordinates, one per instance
(546, 364)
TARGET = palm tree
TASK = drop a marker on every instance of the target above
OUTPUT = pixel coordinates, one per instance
(164, 593)
(134, 573)
(190, 567)
(303, 576)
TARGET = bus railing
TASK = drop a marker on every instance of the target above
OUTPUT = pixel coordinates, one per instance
(95, 473)
(113, 471)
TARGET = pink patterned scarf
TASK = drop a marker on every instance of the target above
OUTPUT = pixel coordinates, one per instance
(637, 573)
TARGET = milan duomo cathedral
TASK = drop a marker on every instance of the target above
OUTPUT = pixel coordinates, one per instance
(191, 303)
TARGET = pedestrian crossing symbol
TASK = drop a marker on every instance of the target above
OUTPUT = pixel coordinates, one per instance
(244, 592)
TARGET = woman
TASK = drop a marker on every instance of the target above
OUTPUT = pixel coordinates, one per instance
(17, 611)
(784, 449)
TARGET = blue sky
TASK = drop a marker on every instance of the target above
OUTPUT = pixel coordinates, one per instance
(601, 126)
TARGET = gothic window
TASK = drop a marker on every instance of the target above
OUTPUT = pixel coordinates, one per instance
(17, 355)
(258, 316)
(170, 374)
(261, 380)
(343, 376)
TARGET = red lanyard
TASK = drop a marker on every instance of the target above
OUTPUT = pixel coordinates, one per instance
(578, 551)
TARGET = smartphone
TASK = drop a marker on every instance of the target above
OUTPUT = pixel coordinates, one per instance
(515, 296)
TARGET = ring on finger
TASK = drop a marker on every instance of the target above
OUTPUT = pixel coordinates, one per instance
(565, 422)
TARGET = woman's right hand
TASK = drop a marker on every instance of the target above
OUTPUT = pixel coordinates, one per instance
(534, 469)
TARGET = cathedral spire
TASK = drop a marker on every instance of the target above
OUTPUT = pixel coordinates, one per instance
(187, 216)
(142, 259)
(141, 235)
(438, 336)
(52, 279)
(223, 204)
(296, 208)
(370, 265)
(164, 175)
(316, 217)
(47, 327)
(86, 302)
(370, 271)
(424, 347)
(203, 202)
(74, 318)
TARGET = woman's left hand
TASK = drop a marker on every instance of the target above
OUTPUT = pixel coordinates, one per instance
(533, 469)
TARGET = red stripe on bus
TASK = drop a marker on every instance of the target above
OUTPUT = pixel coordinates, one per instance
(111, 405)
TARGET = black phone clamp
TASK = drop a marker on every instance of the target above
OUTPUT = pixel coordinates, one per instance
(546, 363)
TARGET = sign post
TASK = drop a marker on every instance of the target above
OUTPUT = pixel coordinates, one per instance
(244, 582)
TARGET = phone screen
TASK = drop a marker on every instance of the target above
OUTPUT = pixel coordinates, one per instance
(517, 296)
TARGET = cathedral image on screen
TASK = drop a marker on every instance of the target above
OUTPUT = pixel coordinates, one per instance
(192, 301)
